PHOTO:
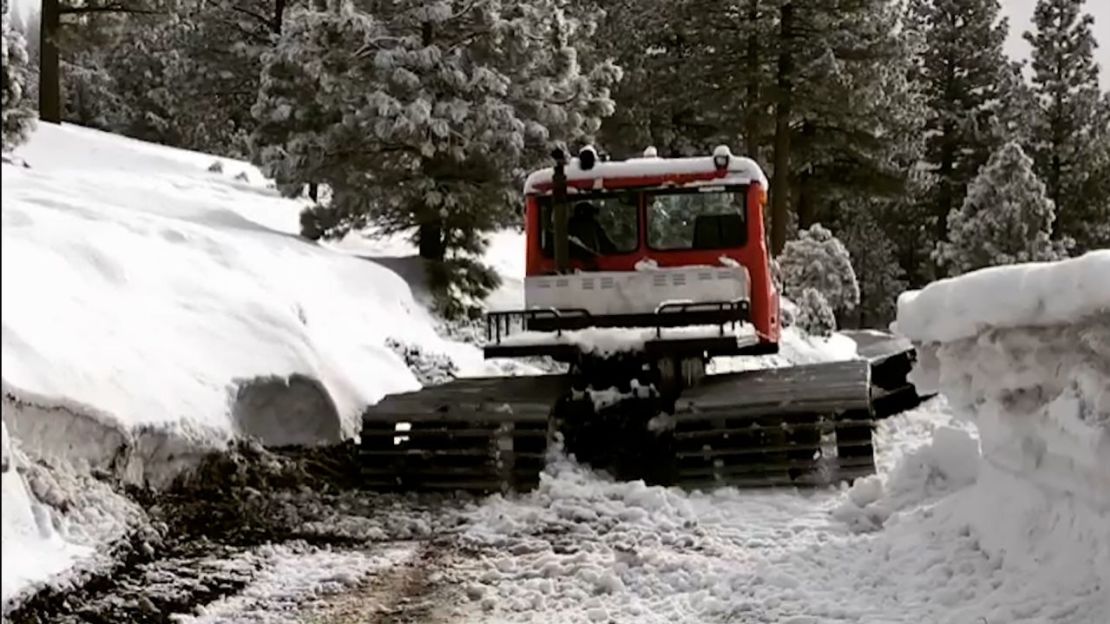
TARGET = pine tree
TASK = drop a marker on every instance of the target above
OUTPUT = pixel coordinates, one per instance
(695, 75)
(815, 315)
(1066, 82)
(1005, 219)
(422, 115)
(818, 260)
(858, 123)
(215, 67)
(959, 69)
(1096, 187)
(874, 260)
(18, 114)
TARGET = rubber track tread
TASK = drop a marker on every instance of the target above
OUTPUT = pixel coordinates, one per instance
(480, 434)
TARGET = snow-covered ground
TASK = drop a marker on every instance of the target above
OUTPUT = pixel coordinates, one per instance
(154, 305)
(990, 504)
(585, 549)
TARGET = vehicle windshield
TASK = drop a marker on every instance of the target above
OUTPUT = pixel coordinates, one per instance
(596, 225)
(696, 219)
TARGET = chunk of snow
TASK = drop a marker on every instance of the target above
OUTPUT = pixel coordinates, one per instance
(1032, 294)
(647, 264)
(32, 550)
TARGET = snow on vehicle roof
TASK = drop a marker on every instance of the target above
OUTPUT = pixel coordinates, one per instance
(740, 170)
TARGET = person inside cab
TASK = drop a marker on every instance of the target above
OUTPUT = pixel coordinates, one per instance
(587, 237)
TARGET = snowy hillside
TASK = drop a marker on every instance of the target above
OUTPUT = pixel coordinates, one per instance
(155, 305)
(125, 261)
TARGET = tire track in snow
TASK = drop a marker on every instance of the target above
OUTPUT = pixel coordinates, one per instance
(413, 591)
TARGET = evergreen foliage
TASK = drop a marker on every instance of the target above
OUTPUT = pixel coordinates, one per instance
(18, 113)
(960, 69)
(1005, 219)
(815, 315)
(422, 117)
(1067, 137)
(818, 260)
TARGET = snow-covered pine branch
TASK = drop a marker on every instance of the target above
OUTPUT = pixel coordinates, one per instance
(1005, 219)
(818, 260)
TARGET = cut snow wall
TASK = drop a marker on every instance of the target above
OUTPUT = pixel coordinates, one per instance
(1040, 397)
(1023, 351)
(65, 432)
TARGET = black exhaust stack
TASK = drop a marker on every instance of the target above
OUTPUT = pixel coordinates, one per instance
(562, 245)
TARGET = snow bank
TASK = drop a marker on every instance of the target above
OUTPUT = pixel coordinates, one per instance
(154, 306)
(142, 285)
(40, 540)
(1022, 352)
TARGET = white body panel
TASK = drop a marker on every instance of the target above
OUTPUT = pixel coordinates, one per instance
(636, 292)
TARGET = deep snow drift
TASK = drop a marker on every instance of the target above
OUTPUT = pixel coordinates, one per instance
(1022, 352)
(143, 285)
(155, 304)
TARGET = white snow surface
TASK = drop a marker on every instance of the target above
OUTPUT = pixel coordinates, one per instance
(154, 308)
(140, 284)
(1032, 294)
(583, 548)
(1021, 352)
(39, 540)
(28, 537)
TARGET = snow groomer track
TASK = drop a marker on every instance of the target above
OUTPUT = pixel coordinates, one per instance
(798, 425)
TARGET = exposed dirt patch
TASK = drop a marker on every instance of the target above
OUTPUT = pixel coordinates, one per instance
(414, 591)
(200, 541)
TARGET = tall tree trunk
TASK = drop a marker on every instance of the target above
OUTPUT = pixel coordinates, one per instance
(780, 188)
(752, 112)
(279, 16)
(947, 166)
(431, 241)
(50, 80)
(806, 206)
(946, 183)
(806, 199)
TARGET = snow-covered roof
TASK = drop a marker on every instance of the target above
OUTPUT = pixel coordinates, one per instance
(740, 170)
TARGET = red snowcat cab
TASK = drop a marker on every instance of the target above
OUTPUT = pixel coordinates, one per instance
(650, 242)
(639, 273)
